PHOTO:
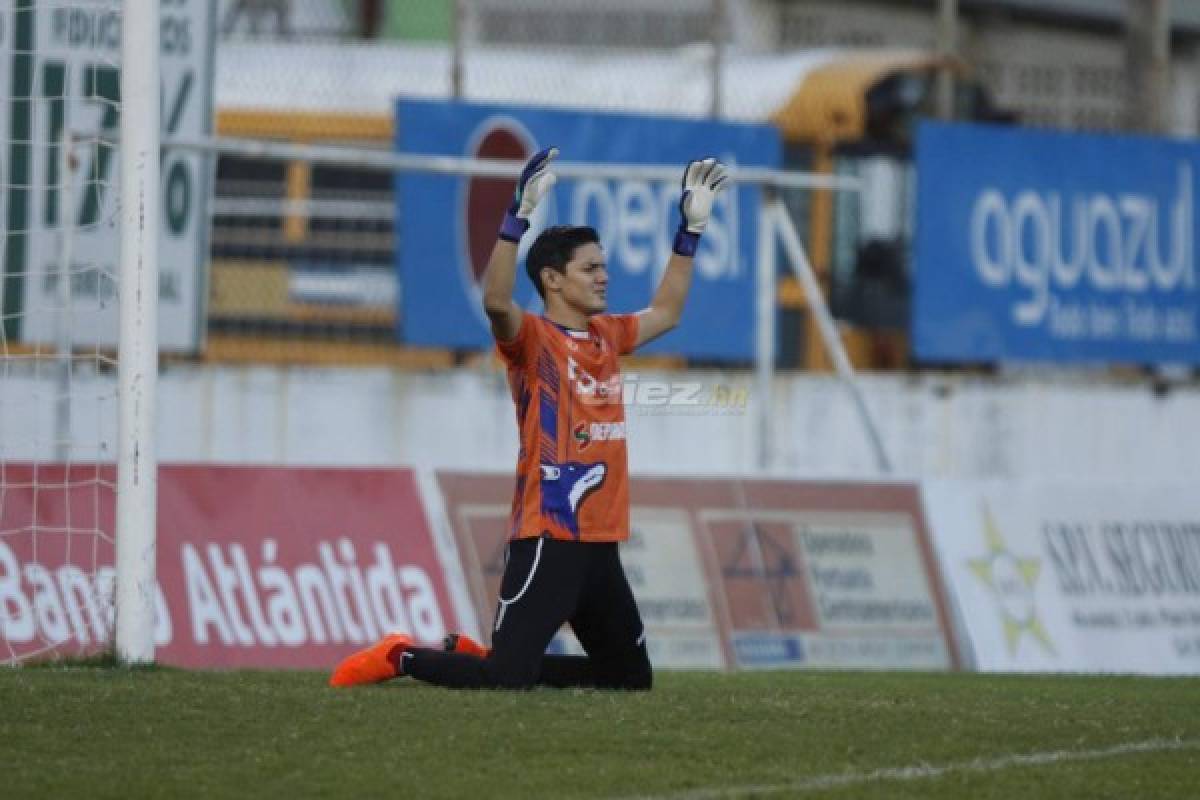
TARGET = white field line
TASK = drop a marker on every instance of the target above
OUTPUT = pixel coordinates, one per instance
(926, 771)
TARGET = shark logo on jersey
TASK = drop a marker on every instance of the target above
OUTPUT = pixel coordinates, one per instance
(564, 488)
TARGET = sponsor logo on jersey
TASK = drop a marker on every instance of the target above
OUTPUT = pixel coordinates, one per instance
(591, 389)
(586, 433)
(564, 488)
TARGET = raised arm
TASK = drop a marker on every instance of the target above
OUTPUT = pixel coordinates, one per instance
(501, 274)
(701, 182)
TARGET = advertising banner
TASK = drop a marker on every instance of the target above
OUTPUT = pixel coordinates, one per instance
(751, 573)
(1041, 246)
(828, 575)
(447, 225)
(64, 63)
(257, 567)
(56, 561)
(1072, 578)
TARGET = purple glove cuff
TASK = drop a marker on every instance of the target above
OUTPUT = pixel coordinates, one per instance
(513, 228)
(686, 242)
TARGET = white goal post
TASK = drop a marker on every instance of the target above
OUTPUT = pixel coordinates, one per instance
(137, 351)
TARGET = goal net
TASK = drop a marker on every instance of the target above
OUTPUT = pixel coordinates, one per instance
(57, 471)
(79, 189)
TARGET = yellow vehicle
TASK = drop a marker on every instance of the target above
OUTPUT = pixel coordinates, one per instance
(856, 116)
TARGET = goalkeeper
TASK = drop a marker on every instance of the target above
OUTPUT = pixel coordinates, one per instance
(571, 504)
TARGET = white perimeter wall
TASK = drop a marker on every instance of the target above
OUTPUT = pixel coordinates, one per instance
(933, 426)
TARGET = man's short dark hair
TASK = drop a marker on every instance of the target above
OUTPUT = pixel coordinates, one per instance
(553, 248)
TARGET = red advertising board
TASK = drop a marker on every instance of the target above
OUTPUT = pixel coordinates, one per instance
(257, 566)
(56, 557)
(753, 573)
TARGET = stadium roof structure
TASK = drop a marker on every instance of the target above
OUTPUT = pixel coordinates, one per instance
(1185, 14)
(366, 79)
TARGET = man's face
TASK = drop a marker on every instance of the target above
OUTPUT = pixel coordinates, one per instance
(584, 286)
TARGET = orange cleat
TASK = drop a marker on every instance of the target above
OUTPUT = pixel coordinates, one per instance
(371, 665)
(461, 643)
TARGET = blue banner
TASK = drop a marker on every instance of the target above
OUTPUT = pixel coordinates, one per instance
(1038, 246)
(446, 226)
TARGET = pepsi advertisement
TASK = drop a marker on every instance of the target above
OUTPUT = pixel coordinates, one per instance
(446, 225)
(1041, 246)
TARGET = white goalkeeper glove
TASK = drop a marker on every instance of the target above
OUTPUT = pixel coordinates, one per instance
(701, 181)
(536, 179)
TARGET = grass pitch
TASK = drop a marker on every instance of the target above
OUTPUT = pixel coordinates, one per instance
(110, 732)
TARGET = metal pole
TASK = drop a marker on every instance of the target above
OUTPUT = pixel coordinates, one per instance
(66, 219)
(137, 359)
(456, 65)
(1148, 55)
(947, 46)
(492, 168)
(719, 19)
(764, 339)
(828, 329)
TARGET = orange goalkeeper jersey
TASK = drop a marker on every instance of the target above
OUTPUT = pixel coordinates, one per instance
(572, 470)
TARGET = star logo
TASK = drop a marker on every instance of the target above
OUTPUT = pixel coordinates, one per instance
(1011, 580)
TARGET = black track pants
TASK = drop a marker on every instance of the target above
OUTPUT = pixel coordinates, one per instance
(548, 582)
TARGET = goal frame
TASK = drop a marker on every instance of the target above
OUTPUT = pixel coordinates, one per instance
(137, 349)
